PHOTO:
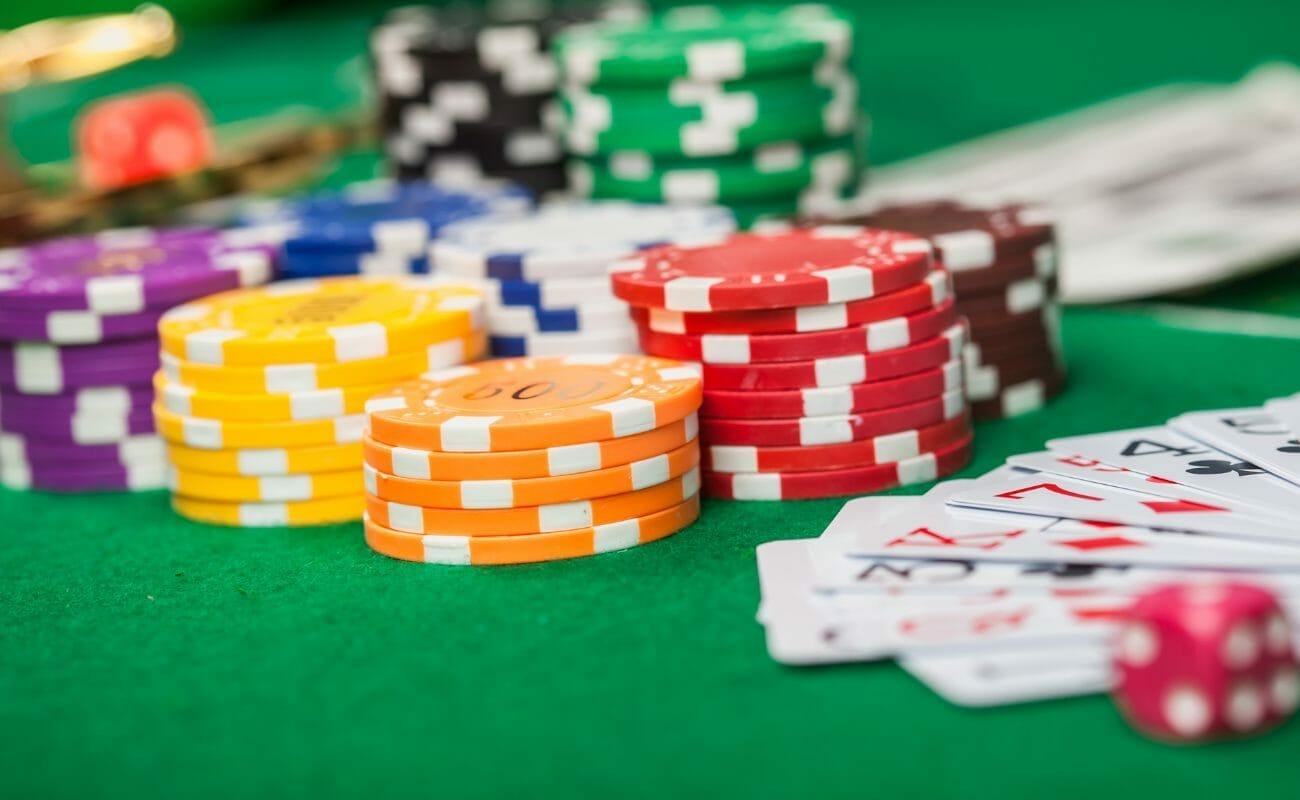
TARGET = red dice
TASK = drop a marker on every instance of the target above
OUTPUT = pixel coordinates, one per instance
(142, 137)
(1205, 660)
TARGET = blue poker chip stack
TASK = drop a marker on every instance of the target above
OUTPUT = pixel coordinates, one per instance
(376, 228)
(545, 274)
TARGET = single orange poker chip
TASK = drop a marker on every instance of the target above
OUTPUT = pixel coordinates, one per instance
(535, 547)
(535, 519)
(535, 403)
(564, 460)
(533, 491)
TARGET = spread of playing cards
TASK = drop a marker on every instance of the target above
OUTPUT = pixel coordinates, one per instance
(1161, 563)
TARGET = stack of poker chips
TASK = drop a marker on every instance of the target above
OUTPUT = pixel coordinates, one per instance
(262, 391)
(464, 90)
(533, 459)
(78, 317)
(752, 107)
(1003, 263)
(373, 228)
(544, 274)
(831, 357)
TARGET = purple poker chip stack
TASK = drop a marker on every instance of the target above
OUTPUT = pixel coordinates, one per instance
(79, 347)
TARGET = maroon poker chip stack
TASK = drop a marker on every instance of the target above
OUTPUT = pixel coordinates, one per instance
(831, 357)
(79, 348)
(1003, 263)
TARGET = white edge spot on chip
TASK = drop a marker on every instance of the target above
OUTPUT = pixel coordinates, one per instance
(408, 463)
(733, 458)
(115, 294)
(408, 519)
(756, 486)
(204, 434)
(450, 374)
(356, 342)
(689, 293)
(205, 346)
(628, 416)
(467, 434)
(920, 469)
(719, 348)
(263, 515)
(487, 494)
(574, 458)
(321, 404)
(682, 372)
(564, 516)
(847, 283)
(825, 430)
(650, 471)
(966, 250)
(832, 316)
(616, 536)
(282, 378)
(453, 550)
(253, 462)
(840, 371)
(350, 428)
(377, 405)
(896, 446)
(285, 488)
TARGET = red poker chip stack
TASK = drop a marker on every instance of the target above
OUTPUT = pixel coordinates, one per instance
(831, 357)
(1003, 264)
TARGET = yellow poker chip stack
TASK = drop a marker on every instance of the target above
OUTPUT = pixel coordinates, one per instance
(532, 459)
(262, 393)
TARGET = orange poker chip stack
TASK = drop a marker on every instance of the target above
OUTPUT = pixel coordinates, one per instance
(532, 459)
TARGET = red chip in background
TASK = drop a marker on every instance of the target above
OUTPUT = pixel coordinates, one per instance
(142, 136)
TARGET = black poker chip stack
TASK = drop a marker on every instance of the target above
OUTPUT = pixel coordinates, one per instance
(465, 90)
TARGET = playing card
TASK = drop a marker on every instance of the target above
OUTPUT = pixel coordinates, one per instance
(1003, 676)
(1094, 471)
(804, 627)
(1287, 412)
(1134, 180)
(1059, 497)
(933, 531)
(1162, 451)
(1248, 433)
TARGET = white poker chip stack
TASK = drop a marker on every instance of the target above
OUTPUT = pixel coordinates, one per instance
(545, 274)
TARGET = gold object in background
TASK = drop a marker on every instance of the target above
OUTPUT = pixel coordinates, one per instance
(64, 48)
(269, 155)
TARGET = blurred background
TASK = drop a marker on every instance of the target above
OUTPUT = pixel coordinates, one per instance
(932, 75)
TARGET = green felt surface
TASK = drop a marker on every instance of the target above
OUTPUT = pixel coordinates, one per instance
(142, 656)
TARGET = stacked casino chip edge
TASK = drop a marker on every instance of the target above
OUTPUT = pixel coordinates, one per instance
(753, 107)
(533, 459)
(830, 355)
(543, 274)
(379, 227)
(79, 317)
(1003, 263)
(262, 392)
(464, 91)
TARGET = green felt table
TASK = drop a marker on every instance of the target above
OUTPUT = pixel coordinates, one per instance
(145, 656)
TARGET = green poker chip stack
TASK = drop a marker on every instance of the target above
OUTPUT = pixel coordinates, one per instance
(753, 107)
